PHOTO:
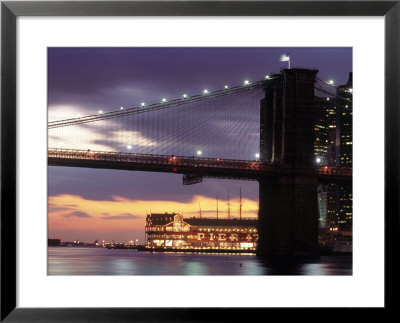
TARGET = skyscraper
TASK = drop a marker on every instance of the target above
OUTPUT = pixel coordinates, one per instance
(333, 146)
(344, 151)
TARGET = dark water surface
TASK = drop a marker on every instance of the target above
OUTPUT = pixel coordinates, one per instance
(102, 261)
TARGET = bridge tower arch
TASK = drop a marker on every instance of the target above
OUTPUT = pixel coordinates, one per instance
(288, 206)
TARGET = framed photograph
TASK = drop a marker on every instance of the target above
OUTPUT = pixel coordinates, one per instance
(197, 161)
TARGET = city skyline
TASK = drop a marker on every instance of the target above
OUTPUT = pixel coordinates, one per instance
(112, 204)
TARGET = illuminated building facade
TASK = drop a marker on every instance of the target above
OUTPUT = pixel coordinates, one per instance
(325, 131)
(334, 126)
(325, 154)
(321, 130)
(173, 231)
(344, 152)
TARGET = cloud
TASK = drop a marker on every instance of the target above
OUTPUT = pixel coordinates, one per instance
(121, 217)
(66, 111)
(53, 209)
(77, 214)
(100, 136)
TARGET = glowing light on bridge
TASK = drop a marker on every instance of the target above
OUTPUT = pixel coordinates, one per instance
(185, 96)
(121, 108)
(331, 82)
(142, 104)
(199, 152)
(267, 77)
(163, 100)
(226, 87)
(100, 111)
(205, 91)
(246, 82)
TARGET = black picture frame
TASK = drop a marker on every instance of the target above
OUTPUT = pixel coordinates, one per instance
(10, 10)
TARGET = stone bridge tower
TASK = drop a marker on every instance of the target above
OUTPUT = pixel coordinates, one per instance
(288, 210)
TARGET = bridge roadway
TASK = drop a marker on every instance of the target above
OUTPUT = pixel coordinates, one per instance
(206, 167)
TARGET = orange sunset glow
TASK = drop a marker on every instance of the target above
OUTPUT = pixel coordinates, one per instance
(68, 212)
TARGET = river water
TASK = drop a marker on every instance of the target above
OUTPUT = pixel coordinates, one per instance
(102, 261)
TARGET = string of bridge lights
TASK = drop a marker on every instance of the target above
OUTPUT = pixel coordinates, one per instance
(332, 83)
(164, 102)
(186, 96)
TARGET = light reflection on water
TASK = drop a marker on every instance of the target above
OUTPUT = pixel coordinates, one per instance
(101, 261)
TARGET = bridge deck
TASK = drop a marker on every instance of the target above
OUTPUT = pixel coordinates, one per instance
(207, 167)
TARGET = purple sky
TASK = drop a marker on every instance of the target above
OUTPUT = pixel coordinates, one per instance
(91, 79)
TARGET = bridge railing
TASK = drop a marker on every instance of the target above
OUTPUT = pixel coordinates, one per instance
(194, 162)
(156, 159)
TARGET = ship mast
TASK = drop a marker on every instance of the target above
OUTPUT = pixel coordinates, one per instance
(240, 205)
(229, 208)
(217, 206)
(200, 210)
